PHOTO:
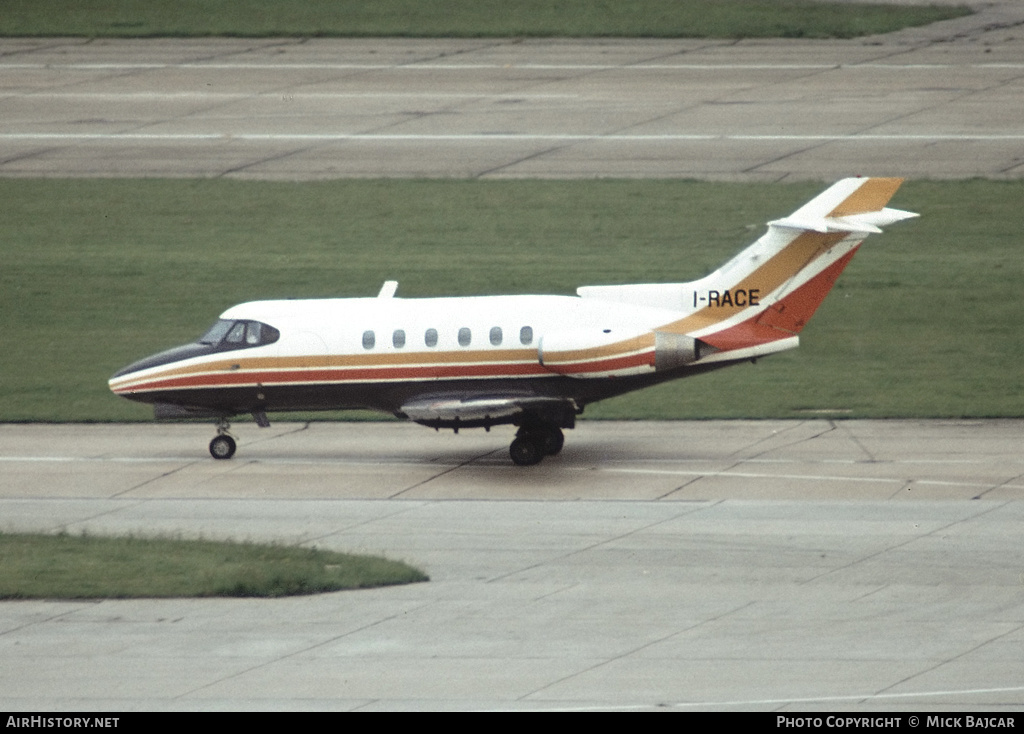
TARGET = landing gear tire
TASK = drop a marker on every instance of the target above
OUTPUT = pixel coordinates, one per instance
(548, 438)
(526, 451)
(222, 447)
(552, 441)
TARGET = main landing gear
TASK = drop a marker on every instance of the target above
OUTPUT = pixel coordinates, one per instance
(534, 442)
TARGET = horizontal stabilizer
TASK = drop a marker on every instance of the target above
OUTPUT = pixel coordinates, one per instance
(865, 223)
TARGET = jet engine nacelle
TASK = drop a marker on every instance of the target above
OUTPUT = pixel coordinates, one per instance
(677, 350)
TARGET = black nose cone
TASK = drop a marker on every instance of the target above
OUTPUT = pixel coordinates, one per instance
(177, 354)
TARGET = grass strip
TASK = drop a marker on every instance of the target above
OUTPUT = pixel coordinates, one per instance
(35, 566)
(98, 273)
(463, 18)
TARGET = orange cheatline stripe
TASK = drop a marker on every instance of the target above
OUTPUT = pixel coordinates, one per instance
(614, 364)
(644, 341)
(872, 196)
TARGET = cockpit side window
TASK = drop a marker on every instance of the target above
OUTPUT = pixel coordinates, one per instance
(227, 334)
(269, 335)
(236, 334)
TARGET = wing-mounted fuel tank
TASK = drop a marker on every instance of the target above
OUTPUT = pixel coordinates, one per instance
(610, 353)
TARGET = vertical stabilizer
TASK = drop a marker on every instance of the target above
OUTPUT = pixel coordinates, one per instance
(770, 290)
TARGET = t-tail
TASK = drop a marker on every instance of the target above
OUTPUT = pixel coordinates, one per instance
(758, 302)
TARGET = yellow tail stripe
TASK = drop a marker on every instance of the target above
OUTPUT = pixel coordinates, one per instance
(872, 196)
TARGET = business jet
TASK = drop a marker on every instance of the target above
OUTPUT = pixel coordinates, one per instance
(532, 361)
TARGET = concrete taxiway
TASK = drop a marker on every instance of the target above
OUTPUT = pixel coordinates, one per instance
(942, 101)
(769, 565)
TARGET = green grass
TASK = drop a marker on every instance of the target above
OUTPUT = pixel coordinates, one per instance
(97, 273)
(34, 566)
(462, 18)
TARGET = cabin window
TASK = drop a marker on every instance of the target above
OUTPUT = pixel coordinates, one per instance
(496, 336)
(398, 338)
(526, 335)
(465, 336)
(369, 339)
(430, 338)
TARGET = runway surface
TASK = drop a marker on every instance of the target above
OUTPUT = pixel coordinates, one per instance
(765, 565)
(771, 565)
(943, 101)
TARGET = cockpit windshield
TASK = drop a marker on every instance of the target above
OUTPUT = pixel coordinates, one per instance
(216, 332)
(229, 334)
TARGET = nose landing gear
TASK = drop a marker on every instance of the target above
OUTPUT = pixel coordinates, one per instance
(223, 445)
